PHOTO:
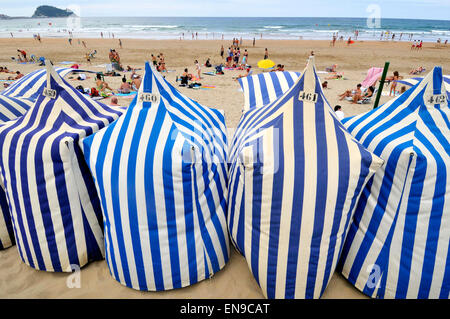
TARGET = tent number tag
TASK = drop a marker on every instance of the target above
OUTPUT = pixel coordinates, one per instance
(308, 97)
(149, 97)
(437, 99)
(49, 93)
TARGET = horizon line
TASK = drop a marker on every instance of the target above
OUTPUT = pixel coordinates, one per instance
(228, 17)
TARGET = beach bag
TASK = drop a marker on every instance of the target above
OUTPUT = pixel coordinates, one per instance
(94, 92)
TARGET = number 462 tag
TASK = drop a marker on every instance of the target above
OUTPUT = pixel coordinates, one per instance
(437, 99)
(308, 97)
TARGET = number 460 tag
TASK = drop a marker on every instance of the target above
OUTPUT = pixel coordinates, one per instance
(308, 97)
(49, 93)
(149, 97)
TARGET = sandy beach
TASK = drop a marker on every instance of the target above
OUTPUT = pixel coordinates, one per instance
(235, 281)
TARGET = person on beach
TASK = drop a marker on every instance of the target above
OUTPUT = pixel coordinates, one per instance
(120, 43)
(358, 97)
(338, 110)
(254, 42)
(394, 80)
(155, 62)
(23, 55)
(198, 69)
(222, 51)
(114, 101)
(245, 58)
(135, 81)
(18, 76)
(266, 54)
(244, 75)
(102, 86)
(349, 93)
(125, 87)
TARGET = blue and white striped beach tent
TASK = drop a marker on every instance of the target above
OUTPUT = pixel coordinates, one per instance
(10, 109)
(55, 209)
(265, 88)
(161, 173)
(414, 81)
(31, 86)
(398, 244)
(295, 177)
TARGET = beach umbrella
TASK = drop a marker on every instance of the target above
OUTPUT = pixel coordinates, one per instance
(398, 244)
(266, 64)
(30, 86)
(161, 174)
(55, 210)
(265, 88)
(414, 81)
(295, 176)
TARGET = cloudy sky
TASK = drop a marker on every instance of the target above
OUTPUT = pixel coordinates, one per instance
(423, 9)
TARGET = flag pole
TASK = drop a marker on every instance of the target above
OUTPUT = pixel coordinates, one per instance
(380, 89)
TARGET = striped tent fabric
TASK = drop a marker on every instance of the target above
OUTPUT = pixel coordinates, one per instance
(161, 173)
(10, 108)
(414, 81)
(295, 177)
(398, 244)
(265, 88)
(55, 209)
(32, 85)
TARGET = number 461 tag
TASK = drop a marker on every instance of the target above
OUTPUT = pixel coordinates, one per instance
(308, 97)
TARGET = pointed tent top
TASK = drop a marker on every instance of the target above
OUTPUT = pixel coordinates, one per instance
(53, 80)
(435, 93)
(148, 94)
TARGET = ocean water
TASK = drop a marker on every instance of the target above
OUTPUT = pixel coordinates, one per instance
(215, 28)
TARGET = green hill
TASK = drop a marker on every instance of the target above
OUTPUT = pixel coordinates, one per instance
(52, 12)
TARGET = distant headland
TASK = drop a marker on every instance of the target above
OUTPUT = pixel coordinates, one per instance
(44, 12)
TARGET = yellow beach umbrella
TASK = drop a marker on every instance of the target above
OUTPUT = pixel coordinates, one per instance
(266, 64)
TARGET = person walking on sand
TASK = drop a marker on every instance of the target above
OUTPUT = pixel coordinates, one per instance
(266, 54)
(120, 43)
(254, 42)
(222, 51)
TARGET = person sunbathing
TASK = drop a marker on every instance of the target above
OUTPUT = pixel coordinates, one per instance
(331, 69)
(358, 97)
(125, 87)
(18, 76)
(114, 102)
(102, 85)
(417, 71)
(349, 93)
(244, 75)
(336, 76)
